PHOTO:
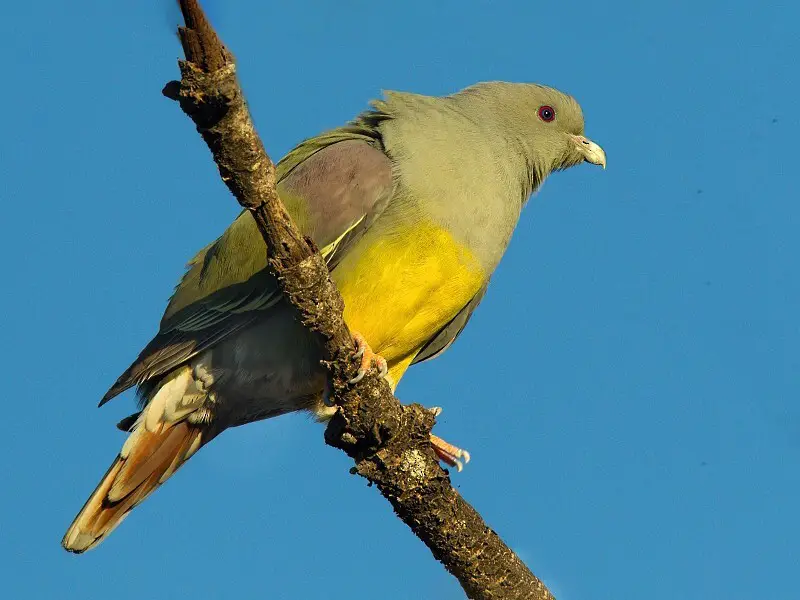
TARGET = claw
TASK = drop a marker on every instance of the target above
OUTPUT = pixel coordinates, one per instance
(368, 357)
(383, 367)
(449, 454)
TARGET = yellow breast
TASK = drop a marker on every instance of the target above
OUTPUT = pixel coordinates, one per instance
(401, 288)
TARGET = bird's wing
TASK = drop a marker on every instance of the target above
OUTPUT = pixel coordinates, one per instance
(334, 186)
(448, 334)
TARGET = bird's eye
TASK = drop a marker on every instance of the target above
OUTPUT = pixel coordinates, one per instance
(547, 113)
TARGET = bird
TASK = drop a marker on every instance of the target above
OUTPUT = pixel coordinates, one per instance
(412, 203)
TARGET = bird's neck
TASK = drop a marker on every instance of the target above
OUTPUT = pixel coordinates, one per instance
(501, 135)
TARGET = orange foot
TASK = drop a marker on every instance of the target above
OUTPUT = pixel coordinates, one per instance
(449, 454)
(368, 357)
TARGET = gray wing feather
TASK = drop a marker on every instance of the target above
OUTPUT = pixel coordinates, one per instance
(334, 194)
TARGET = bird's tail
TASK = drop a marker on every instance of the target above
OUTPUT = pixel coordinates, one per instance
(161, 440)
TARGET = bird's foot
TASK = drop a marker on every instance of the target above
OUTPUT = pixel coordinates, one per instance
(449, 454)
(368, 358)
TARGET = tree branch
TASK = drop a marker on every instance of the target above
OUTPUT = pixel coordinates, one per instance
(388, 441)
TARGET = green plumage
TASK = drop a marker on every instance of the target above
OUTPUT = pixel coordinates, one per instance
(414, 203)
(467, 162)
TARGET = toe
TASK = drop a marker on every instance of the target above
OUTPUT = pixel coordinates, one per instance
(449, 454)
(367, 359)
(382, 366)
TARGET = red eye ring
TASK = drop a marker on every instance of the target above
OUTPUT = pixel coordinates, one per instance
(547, 113)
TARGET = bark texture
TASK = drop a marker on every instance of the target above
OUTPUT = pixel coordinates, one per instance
(388, 441)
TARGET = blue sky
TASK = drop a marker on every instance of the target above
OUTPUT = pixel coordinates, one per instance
(628, 389)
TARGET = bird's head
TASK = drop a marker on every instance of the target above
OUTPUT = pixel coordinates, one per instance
(544, 123)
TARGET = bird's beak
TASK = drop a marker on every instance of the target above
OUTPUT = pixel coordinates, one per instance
(592, 153)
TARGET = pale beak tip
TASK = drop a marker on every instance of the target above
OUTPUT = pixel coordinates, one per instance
(596, 155)
(592, 152)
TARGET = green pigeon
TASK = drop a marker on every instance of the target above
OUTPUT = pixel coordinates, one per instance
(413, 203)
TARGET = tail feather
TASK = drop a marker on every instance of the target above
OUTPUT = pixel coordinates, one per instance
(129, 481)
(154, 450)
(149, 455)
